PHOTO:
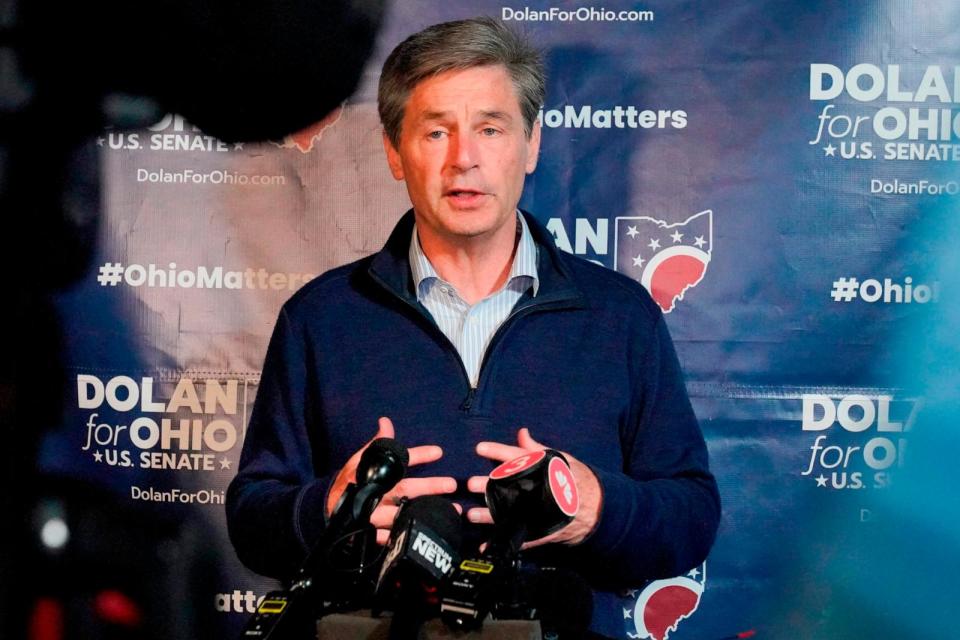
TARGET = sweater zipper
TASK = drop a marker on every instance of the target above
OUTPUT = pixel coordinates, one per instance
(468, 401)
(535, 305)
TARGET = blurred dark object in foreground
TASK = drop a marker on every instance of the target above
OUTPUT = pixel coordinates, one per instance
(241, 71)
(100, 568)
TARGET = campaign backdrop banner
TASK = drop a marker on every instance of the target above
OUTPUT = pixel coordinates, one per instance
(782, 177)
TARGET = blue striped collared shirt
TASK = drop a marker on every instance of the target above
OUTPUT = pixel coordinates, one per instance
(471, 328)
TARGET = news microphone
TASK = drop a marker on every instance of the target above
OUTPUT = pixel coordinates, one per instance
(337, 574)
(421, 555)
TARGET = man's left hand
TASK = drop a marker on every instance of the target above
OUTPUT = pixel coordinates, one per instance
(587, 485)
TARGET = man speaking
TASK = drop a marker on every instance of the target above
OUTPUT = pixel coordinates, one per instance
(471, 339)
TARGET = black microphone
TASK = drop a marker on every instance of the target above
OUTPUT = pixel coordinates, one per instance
(421, 556)
(337, 574)
(347, 550)
(529, 497)
(349, 538)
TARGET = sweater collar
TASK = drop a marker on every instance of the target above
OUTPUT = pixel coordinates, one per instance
(391, 265)
(522, 265)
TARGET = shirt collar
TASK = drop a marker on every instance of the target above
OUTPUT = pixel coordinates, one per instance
(524, 261)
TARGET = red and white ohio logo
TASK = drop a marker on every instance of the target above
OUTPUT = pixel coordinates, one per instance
(563, 487)
(517, 465)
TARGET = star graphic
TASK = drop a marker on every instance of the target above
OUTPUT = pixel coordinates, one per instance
(677, 236)
(632, 231)
(98, 456)
(700, 242)
(638, 261)
(654, 244)
(224, 463)
(100, 141)
(829, 150)
(821, 480)
(238, 146)
(631, 593)
(627, 614)
(694, 573)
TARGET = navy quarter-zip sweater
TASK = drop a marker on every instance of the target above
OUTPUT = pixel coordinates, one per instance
(587, 365)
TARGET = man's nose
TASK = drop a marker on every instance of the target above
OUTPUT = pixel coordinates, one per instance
(464, 153)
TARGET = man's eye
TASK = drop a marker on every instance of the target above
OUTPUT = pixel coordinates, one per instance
(435, 135)
(490, 131)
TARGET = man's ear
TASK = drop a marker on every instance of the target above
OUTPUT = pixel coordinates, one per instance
(393, 157)
(533, 147)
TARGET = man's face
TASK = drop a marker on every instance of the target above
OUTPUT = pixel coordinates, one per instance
(463, 154)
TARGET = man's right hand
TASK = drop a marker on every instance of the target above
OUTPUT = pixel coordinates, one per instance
(386, 512)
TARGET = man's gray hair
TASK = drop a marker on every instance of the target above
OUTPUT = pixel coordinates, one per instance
(458, 45)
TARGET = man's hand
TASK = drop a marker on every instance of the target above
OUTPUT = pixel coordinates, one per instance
(386, 512)
(587, 485)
